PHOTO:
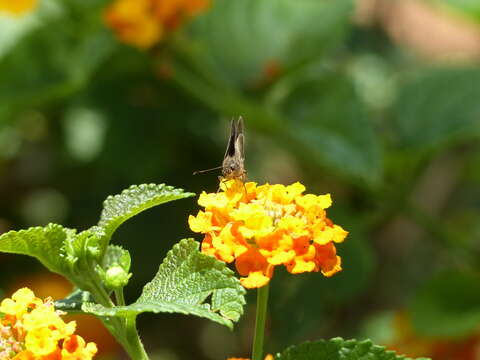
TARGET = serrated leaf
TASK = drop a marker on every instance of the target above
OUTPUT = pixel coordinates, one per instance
(447, 306)
(339, 349)
(119, 208)
(436, 108)
(183, 283)
(74, 301)
(43, 243)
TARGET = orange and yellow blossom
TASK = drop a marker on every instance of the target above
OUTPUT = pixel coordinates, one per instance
(31, 329)
(17, 7)
(268, 357)
(143, 23)
(260, 227)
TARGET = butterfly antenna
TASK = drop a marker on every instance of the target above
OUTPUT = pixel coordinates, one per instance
(207, 170)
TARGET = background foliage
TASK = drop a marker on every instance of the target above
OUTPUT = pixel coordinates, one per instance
(346, 97)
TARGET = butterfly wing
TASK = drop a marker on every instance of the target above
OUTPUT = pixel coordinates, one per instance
(240, 141)
(230, 151)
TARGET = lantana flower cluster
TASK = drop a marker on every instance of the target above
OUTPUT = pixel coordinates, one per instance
(31, 329)
(260, 227)
(143, 23)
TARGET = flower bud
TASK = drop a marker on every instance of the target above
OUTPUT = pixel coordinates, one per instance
(116, 277)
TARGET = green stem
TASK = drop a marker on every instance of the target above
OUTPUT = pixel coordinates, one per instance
(124, 330)
(120, 298)
(262, 302)
(133, 345)
(100, 295)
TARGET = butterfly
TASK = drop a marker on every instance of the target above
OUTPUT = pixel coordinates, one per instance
(233, 165)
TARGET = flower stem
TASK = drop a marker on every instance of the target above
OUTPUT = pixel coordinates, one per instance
(262, 301)
(119, 297)
(134, 345)
(124, 330)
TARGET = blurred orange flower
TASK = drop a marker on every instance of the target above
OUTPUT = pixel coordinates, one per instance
(143, 23)
(268, 357)
(260, 227)
(407, 341)
(17, 7)
(33, 329)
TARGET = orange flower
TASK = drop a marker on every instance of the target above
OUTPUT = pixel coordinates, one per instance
(260, 227)
(32, 329)
(143, 23)
(75, 348)
(268, 357)
(405, 340)
(17, 7)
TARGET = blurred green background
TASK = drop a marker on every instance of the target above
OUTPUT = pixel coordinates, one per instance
(374, 101)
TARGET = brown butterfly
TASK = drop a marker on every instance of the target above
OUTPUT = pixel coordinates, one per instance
(233, 166)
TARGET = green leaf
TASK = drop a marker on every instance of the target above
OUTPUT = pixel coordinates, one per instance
(84, 245)
(119, 208)
(326, 116)
(339, 349)
(234, 38)
(74, 301)
(44, 243)
(184, 282)
(69, 56)
(447, 306)
(59, 249)
(437, 108)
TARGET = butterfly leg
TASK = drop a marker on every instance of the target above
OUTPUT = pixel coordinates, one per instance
(222, 180)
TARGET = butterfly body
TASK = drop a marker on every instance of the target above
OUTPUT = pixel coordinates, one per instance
(233, 166)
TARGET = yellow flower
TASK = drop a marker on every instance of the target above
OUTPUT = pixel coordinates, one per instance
(330, 233)
(202, 222)
(254, 219)
(21, 302)
(143, 23)
(17, 7)
(41, 341)
(33, 330)
(260, 227)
